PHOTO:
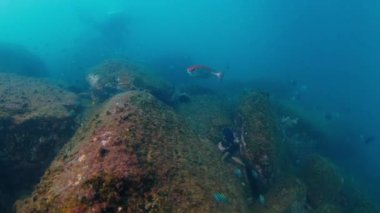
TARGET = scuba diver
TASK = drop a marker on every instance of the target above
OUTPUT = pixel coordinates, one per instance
(230, 146)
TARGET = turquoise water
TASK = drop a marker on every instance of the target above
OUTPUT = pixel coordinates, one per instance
(322, 55)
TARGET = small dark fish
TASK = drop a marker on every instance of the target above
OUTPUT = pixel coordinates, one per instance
(369, 140)
(202, 71)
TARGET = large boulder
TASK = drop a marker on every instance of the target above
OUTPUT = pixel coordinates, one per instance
(19, 60)
(206, 114)
(286, 195)
(36, 119)
(328, 208)
(354, 198)
(116, 76)
(323, 181)
(136, 155)
(259, 135)
(329, 191)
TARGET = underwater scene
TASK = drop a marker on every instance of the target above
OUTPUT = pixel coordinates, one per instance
(189, 106)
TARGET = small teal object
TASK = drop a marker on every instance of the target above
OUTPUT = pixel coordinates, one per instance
(262, 200)
(220, 197)
(237, 173)
(254, 174)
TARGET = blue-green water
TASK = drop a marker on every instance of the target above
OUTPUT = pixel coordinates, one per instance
(322, 55)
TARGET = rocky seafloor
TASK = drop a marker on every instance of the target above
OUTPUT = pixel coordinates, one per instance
(36, 120)
(145, 146)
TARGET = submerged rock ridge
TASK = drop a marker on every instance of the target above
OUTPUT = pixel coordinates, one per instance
(328, 190)
(323, 180)
(135, 155)
(206, 114)
(258, 134)
(116, 76)
(36, 119)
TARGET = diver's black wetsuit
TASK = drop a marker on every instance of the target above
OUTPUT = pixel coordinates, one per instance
(231, 147)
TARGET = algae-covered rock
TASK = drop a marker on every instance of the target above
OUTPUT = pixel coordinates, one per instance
(115, 76)
(135, 155)
(364, 206)
(302, 132)
(323, 181)
(259, 135)
(327, 208)
(24, 99)
(206, 114)
(36, 119)
(353, 198)
(287, 195)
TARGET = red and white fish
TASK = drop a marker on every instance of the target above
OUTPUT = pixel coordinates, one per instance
(201, 71)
